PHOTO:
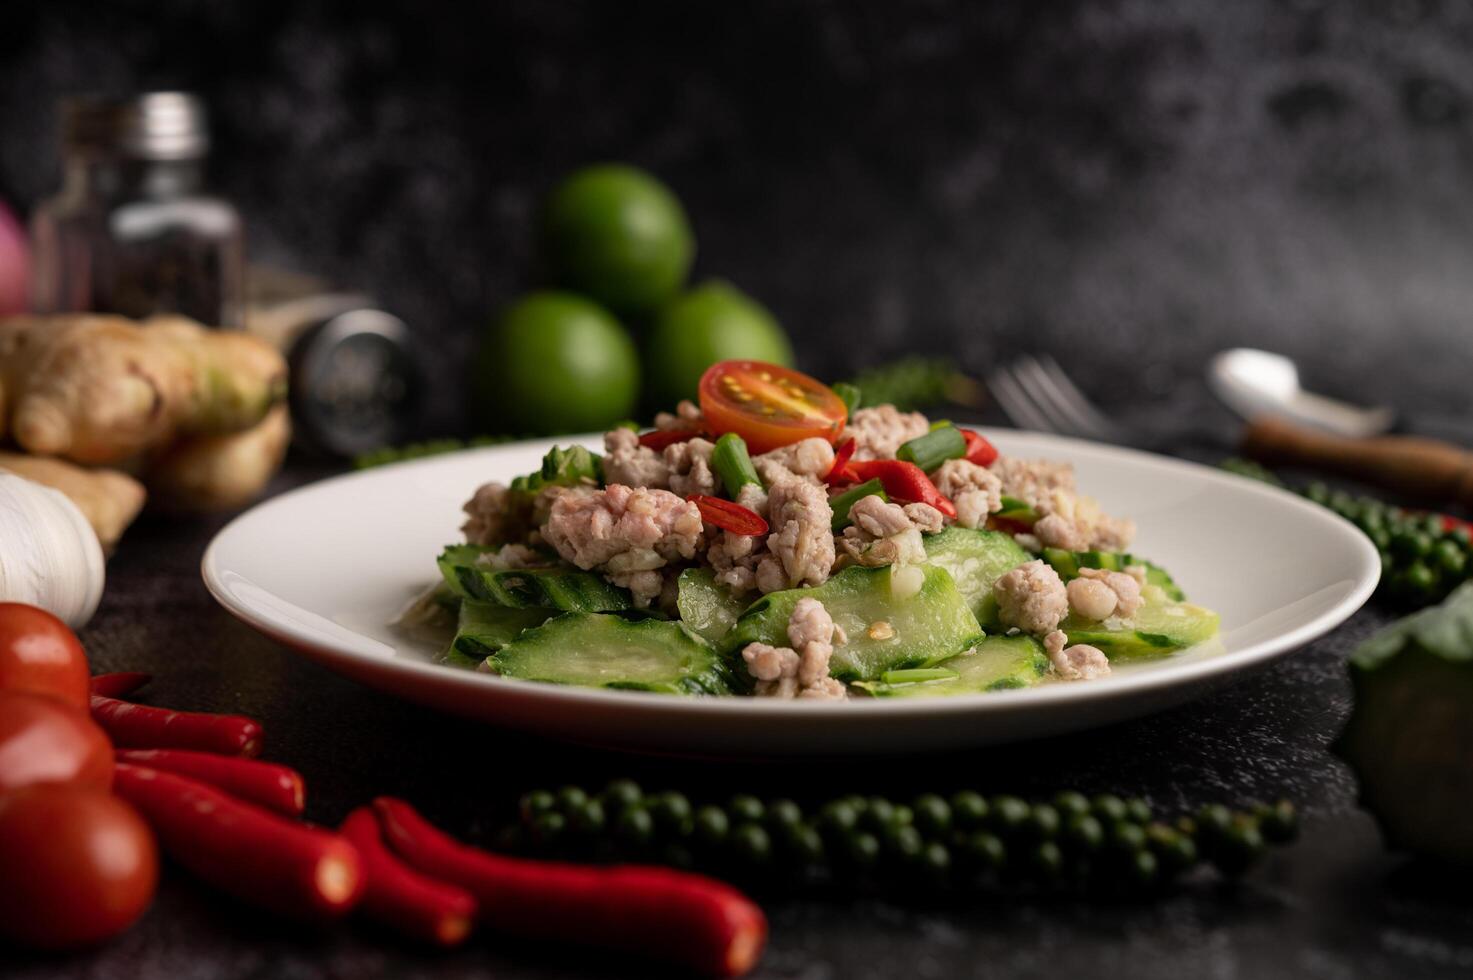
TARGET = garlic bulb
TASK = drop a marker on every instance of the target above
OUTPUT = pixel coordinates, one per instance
(49, 555)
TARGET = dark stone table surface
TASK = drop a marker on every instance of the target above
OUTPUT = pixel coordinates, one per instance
(1332, 905)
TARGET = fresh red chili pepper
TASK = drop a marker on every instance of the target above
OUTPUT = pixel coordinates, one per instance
(838, 472)
(979, 450)
(266, 783)
(118, 685)
(903, 481)
(260, 857)
(692, 921)
(658, 439)
(139, 726)
(399, 897)
(728, 516)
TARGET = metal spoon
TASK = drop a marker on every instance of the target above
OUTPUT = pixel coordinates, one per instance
(1255, 383)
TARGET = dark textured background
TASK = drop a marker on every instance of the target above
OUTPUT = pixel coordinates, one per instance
(1132, 184)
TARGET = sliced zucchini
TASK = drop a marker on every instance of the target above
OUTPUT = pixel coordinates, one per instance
(707, 606)
(884, 632)
(976, 559)
(1068, 564)
(485, 627)
(1162, 625)
(560, 587)
(592, 650)
(998, 663)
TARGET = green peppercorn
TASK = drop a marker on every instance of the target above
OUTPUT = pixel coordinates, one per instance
(711, 825)
(751, 845)
(1462, 536)
(621, 795)
(1450, 557)
(1042, 823)
(1431, 524)
(837, 818)
(984, 851)
(1046, 861)
(861, 850)
(744, 808)
(571, 797)
(1318, 492)
(671, 812)
(1240, 845)
(805, 844)
(634, 828)
(1069, 804)
(783, 815)
(1138, 810)
(548, 828)
(902, 841)
(1008, 814)
(1420, 579)
(1380, 537)
(931, 815)
(1142, 868)
(1213, 821)
(1110, 809)
(586, 820)
(935, 862)
(1083, 832)
(903, 814)
(1174, 850)
(968, 810)
(536, 803)
(1126, 838)
(879, 813)
(1277, 822)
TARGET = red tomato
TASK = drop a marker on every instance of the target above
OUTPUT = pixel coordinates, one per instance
(769, 406)
(77, 865)
(39, 653)
(43, 740)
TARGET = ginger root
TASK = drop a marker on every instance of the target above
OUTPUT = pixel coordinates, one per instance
(220, 472)
(103, 389)
(108, 499)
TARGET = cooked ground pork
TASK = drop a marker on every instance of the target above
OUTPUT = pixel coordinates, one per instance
(885, 534)
(510, 556)
(1032, 598)
(1091, 599)
(687, 416)
(1080, 662)
(628, 463)
(975, 490)
(735, 557)
(628, 532)
(689, 464)
(1067, 519)
(802, 670)
(488, 520)
(801, 541)
(1124, 586)
(879, 431)
(1033, 480)
(810, 459)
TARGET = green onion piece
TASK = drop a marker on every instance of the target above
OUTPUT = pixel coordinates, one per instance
(934, 448)
(847, 393)
(1014, 509)
(915, 675)
(850, 497)
(733, 465)
(941, 424)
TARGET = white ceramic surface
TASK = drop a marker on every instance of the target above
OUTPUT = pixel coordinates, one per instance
(324, 568)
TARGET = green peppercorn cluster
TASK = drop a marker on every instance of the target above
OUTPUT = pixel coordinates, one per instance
(936, 843)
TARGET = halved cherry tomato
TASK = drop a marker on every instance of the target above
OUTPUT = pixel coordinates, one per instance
(77, 865)
(979, 450)
(44, 740)
(769, 406)
(658, 439)
(842, 455)
(728, 516)
(38, 653)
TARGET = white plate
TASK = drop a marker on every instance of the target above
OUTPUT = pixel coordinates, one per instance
(324, 568)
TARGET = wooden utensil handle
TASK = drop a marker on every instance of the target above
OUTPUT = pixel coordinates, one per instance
(1425, 469)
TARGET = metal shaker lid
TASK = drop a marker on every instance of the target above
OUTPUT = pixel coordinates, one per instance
(151, 126)
(355, 383)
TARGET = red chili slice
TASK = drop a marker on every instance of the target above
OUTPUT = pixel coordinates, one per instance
(842, 455)
(979, 450)
(728, 516)
(903, 481)
(658, 439)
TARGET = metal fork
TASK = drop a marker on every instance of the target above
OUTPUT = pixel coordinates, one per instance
(1036, 394)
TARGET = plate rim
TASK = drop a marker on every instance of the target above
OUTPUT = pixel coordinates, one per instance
(1364, 580)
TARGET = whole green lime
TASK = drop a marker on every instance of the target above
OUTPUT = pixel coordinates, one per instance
(713, 322)
(555, 362)
(618, 234)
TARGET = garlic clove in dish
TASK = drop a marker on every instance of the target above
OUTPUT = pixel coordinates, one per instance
(49, 554)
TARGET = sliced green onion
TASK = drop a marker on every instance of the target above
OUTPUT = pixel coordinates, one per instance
(849, 394)
(733, 464)
(916, 675)
(934, 448)
(844, 501)
(1014, 509)
(941, 423)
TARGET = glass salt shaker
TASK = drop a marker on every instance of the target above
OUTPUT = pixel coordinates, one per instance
(132, 230)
